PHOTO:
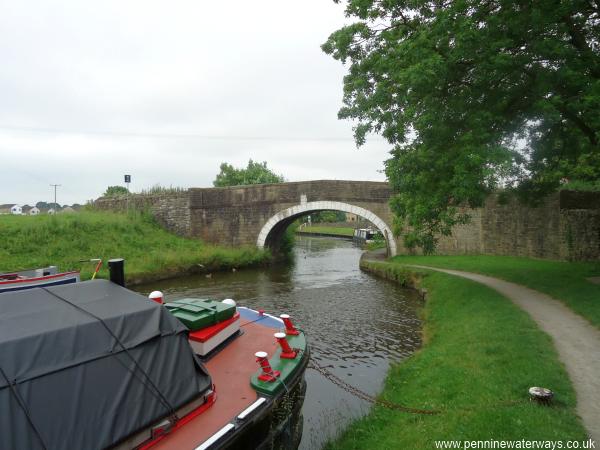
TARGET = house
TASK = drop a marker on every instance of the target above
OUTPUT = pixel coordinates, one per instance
(16, 210)
(34, 211)
(51, 211)
(25, 209)
(5, 208)
(67, 209)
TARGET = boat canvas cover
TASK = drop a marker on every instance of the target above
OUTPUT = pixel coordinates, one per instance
(86, 365)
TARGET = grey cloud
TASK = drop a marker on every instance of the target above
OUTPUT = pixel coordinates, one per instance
(146, 69)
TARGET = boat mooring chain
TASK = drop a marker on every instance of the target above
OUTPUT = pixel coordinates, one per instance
(391, 405)
(364, 396)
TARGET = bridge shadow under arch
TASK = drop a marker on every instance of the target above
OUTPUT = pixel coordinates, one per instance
(271, 233)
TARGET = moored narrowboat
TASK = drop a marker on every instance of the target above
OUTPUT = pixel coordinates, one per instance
(32, 278)
(363, 235)
(93, 365)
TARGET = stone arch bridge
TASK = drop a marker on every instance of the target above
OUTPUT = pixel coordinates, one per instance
(259, 214)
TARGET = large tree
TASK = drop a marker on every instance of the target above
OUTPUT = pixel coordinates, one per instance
(254, 173)
(473, 96)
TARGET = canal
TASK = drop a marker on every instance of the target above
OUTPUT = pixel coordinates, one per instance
(356, 324)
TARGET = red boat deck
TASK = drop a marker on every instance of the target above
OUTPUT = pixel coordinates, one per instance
(230, 370)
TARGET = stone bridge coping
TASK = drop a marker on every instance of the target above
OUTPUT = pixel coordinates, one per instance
(383, 184)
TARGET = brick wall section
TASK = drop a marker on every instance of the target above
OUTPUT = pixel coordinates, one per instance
(566, 225)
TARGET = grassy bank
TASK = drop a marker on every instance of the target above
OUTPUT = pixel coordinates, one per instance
(323, 229)
(480, 355)
(150, 251)
(564, 281)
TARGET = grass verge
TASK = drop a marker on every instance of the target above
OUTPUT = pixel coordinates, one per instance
(481, 354)
(150, 252)
(334, 231)
(564, 281)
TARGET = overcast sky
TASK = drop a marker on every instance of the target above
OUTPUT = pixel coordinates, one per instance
(166, 91)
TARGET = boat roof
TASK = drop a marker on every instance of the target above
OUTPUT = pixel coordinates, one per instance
(88, 364)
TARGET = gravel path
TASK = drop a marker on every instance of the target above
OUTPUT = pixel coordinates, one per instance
(577, 341)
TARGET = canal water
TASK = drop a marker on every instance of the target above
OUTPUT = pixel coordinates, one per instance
(356, 324)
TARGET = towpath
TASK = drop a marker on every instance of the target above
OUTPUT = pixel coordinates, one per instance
(577, 341)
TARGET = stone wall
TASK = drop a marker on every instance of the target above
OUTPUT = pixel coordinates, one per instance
(519, 230)
(579, 219)
(465, 239)
(170, 210)
(566, 225)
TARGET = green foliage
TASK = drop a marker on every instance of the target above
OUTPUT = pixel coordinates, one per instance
(378, 242)
(481, 354)
(328, 216)
(158, 189)
(44, 206)
(288, 240)
(254, 173)
(473, 95)
(578, 185)
(115, 191)
(150, 251)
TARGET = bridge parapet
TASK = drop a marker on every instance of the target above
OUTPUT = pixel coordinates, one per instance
(291, 192)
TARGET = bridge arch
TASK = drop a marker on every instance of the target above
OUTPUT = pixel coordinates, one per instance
(274, 228)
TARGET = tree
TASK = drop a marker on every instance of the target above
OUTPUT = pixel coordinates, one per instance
(473, 96)
(254, 173)
(115, 191)
(44, 205)
(328, 216)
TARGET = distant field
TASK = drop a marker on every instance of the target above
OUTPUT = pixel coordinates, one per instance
(338, 231)
(150, 251)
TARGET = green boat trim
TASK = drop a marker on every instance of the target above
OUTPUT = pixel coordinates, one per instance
(288, 367)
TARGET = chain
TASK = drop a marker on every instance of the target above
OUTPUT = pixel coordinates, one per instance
(364, 396)
(391, 405)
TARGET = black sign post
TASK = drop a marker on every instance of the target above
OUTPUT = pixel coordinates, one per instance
(127, 181)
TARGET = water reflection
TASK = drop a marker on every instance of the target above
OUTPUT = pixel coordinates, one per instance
(356, 324)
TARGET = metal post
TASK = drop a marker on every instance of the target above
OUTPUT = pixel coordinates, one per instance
(127, 181)
(116, 270)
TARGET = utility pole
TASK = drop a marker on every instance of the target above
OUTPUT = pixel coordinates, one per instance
(55, 204)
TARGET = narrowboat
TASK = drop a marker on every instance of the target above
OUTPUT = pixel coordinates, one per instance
(27, 279)
(93, 365)
(364, 235)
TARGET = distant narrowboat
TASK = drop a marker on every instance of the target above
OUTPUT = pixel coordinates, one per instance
(27, 279)
(363, 235)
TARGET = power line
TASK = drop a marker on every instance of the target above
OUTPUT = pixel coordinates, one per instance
(177, 135)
